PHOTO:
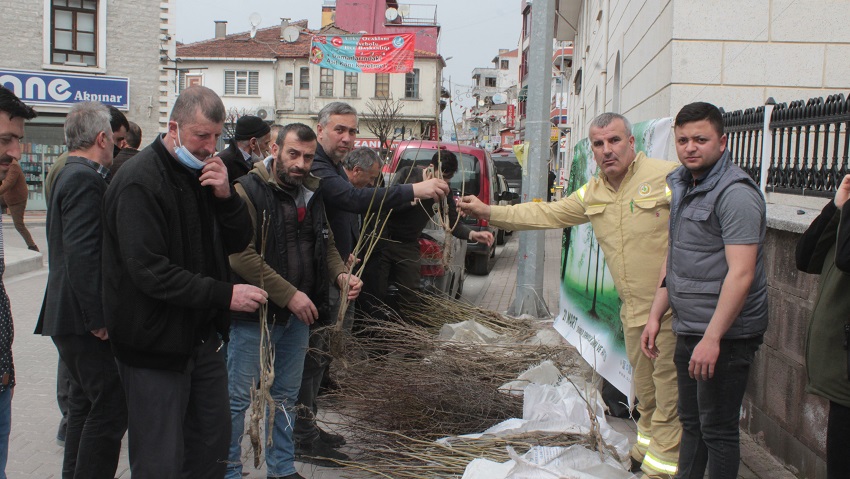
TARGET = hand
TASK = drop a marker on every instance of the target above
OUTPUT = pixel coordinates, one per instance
(647, 338)
(471, 206)
(214, 174)
(434, 188)
(351, 262)
(703, 359)
(100, 334)
(355, 284)
(247, 298)
(482, 237)
(843, 192)
(303, 308)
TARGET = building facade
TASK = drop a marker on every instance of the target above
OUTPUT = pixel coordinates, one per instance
(271, 76)
(66, 51)
(491, 119)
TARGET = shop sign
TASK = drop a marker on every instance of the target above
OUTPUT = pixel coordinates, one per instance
(65, 89)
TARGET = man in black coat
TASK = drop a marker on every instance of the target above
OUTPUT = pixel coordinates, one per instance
(170, 220)
(337, 130)
(249, 144)
(72, 313)
(133, 141)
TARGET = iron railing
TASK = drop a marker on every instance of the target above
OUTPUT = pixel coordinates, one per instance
(808, 144)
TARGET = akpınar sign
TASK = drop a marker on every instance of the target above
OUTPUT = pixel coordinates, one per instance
(40, 88)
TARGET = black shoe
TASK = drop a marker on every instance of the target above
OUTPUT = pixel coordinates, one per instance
(33, 248)
(636, 465)
(331, 439)
(318, 453)
(294, 475)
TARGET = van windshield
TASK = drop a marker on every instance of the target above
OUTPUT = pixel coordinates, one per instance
(508, 166)
(467, 180)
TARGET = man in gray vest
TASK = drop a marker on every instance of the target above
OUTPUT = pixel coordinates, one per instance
(716, 284)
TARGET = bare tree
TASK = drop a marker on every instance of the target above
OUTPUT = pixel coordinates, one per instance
(233, 115)
(382, 120)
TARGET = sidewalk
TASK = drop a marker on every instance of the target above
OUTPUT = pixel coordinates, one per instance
(34, 454)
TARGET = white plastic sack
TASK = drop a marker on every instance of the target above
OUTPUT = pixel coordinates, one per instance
(543, 373)
(469, 332)
(574, 462)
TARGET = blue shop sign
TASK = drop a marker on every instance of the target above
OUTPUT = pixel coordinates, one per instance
(40, 88)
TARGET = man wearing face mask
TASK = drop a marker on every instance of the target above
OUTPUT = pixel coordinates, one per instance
(249, 145)
(170, 220)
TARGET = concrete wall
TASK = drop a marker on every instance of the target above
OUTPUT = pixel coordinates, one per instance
(135, 42)
(731, 53)
(777, 412)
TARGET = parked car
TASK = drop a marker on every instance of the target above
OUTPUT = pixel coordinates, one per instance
(505, 197)
(508, 166)
(476, 176)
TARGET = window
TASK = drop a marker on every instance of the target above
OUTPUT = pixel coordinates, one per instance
(326, 82)
(350, 89)
(186, 79)
(503, 65)
(382, 85)
(304, 79)
(490, 81)
(73, 28)
(288, 79)
(241, 82)
(411, 84)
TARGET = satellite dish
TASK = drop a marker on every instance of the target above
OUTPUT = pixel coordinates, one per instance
(480, 102)
(255, 20)
(290, 34)
(391, 14)
(498, 98)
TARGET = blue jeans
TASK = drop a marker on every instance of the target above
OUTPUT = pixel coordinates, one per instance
(243, 371)
(710, 410)
(5, 427)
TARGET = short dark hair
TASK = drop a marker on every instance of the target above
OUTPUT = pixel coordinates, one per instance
(13, 105)
(117, 119)
(134, 136)
(446, 160)
(699, 111)
(198, 98)
(302, 132)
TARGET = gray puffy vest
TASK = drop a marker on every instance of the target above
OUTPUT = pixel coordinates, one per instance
(696, 262)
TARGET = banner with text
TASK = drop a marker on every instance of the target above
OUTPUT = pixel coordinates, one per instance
(65, 89)
(364, 53)
(589, 317)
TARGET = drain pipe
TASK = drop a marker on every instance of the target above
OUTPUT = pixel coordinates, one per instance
(604, 72)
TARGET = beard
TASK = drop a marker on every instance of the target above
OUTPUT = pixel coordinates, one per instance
(285, 177)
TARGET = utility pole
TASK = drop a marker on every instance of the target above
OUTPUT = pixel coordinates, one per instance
(532, 244)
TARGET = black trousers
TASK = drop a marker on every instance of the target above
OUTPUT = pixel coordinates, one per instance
(97, 411)
(838, 442)
(179, 420)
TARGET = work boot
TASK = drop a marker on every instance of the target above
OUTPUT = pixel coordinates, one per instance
(331, 439)
(319, 453)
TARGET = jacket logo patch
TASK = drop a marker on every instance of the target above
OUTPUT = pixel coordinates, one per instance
(644, 189)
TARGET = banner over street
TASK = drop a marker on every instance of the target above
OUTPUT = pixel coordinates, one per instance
(364, 53)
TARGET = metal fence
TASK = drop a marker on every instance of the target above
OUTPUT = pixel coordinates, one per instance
(806, 144)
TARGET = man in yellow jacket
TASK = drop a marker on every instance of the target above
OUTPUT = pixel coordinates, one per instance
(628, 205)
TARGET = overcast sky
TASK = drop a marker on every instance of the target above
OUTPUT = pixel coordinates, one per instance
(472, 30)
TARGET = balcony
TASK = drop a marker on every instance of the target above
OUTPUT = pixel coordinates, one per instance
(410, 14)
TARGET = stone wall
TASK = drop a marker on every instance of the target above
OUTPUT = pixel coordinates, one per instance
(777, 411)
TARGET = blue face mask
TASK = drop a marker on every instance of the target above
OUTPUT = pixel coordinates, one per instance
(185, 157)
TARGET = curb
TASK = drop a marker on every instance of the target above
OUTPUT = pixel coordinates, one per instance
(20, 261)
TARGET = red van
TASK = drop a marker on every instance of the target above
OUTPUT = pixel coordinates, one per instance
(476, 176)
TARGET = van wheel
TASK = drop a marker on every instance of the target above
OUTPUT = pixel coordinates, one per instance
(480, 264)
(500, 237)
